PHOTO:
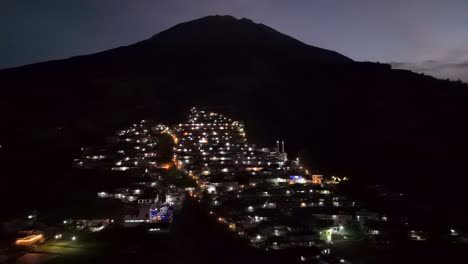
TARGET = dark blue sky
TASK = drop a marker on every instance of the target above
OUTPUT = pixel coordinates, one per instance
(425, 35)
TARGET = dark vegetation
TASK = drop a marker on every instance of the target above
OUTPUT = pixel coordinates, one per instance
(173, 176)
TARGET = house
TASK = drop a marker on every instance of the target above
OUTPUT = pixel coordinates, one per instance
(374, 228)
(162, 214)
(338, 218)
(141, 216)
(97, 225)
(146, 182)
(130, 198)
(225, 186)
(81, 224)
(367, 215)
(174, 197)
(105, 195)
(148, 198)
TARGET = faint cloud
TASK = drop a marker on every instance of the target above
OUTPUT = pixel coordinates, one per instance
(439, 69)
(449, 63)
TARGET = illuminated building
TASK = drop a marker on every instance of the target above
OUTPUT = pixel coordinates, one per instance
(163, 214)
(317, 179)
(148, 214)
(296, 179)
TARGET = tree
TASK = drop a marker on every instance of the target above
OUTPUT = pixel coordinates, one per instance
(353, 228)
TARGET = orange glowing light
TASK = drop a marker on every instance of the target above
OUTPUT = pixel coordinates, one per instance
(317, 179)
(29, 240)
(254, 169)
(166, 166)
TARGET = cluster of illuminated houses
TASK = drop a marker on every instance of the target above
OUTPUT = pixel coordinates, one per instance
(278, 204)
(212, 144)
(135, 152)
(131, 149)
(258, 193)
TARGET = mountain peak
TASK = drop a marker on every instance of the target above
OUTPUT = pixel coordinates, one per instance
(218, 33)
(223, 18)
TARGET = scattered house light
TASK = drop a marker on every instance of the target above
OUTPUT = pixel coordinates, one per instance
(453, 232)
(102, 195)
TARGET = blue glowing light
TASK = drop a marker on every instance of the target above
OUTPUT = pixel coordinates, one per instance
(295, 177)
(153, 213)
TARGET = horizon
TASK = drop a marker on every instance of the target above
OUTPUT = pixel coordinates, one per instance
(435, 48)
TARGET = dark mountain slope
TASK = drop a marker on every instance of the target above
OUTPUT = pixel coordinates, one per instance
(362, 119)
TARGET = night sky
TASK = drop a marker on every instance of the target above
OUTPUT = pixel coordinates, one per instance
(430, 36)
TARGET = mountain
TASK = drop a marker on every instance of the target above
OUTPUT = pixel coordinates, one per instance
(360, 119)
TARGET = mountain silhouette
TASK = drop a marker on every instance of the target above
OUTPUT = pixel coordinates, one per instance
(360, 119)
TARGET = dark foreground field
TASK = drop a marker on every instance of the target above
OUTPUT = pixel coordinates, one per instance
(195, 238)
